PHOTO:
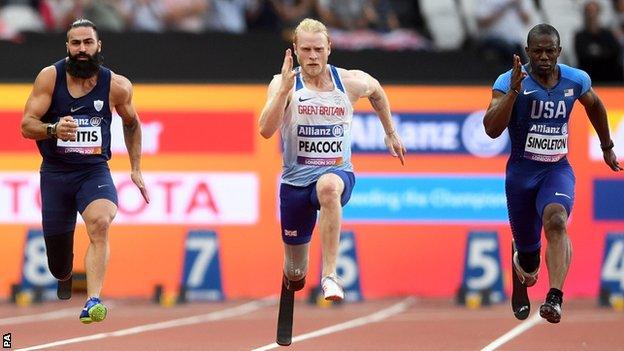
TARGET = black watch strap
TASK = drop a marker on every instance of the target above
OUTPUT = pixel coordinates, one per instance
(607, 147)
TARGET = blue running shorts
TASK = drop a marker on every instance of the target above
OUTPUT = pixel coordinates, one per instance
(528, 194)
(67, 192)
(298, 206)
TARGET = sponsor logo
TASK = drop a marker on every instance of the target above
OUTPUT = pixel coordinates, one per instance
(95, 121)
(561, 194)
(430, 133)
(546, 129)
(525, 92)
(292, 233)
(320, 131)
(301, 99)
(83, 121)
(477, 142)
(72, 110)
(175, 198)
(337, 131)
(102, 185)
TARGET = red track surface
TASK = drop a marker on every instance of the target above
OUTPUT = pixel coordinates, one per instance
(424, 325)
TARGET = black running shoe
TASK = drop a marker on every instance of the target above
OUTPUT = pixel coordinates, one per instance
(551, 309)
(520, 303)
(64, 289)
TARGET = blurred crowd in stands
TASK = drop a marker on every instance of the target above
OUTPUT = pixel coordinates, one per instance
(592, 31)
(355, 24)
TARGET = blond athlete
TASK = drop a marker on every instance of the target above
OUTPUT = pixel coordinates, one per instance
(312, 106)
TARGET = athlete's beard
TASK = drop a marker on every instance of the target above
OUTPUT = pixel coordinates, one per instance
(84, 68)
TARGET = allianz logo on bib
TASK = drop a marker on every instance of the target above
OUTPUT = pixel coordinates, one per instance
(87, 121)
(320, 130)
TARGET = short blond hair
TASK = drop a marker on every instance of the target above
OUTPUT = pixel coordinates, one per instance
(311, 26)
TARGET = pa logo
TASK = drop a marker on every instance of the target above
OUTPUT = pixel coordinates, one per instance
(6, 341)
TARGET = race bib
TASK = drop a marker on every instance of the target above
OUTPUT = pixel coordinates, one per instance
(546, 148)
(88, 142)
(320, 145)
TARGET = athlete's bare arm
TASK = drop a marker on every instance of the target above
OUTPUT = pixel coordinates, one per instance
(121, 99)
(498, 113)
(278, 97)
(360, 84)
(38, 104)
(598, 117)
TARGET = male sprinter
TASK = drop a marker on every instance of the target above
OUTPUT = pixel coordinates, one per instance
(312, 106)
(69, 114)
(534, 102)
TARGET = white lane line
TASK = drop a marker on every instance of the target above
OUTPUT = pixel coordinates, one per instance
(46, 316)
(202, 318)
(519, 329)
(354, 323)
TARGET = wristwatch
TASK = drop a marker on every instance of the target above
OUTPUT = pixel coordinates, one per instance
(607, 147)
(51, 129)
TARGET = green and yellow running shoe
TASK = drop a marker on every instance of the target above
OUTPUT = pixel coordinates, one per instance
(94, 311)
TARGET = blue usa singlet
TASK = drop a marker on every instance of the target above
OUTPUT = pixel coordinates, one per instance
(538, 127)
(93, 115)
(538, 172)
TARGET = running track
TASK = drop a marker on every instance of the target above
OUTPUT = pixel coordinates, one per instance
(388, 324)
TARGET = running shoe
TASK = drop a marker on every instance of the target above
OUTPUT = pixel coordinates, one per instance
(94, 311)
(551, 309)
(332, 289)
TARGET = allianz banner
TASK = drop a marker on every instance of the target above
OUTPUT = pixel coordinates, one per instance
(430, 133)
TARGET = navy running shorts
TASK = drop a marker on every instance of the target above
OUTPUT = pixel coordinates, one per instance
(299, 206)
(529, 194)
(65, 193)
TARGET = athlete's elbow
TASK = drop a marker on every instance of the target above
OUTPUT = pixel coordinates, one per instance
(266, 132)
(25, 132)
(492, 132)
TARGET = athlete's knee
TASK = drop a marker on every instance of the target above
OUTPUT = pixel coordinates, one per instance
(328, 191)
(555, 223)
(59, 249)
(529, 261)
(98, 227)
